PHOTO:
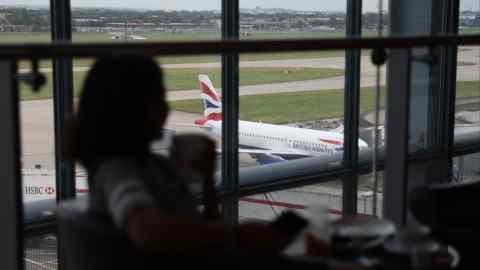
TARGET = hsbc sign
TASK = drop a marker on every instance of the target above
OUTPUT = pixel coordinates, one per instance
(39, 190)
(39, 185)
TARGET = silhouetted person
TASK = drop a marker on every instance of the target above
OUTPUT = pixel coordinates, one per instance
(122, 109)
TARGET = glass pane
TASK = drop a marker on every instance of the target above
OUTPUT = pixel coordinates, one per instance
(372, 90)
(22, 22)
(467, 109)
(299, 19)
(371, 18)
(195, 104)
(291, 109)
(38, 150)
(145, 21)
(469, 21)
(368, 80)
(466, 168)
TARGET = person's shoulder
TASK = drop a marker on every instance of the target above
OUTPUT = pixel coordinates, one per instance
(119, 162)
(161, 160)
(161, 163)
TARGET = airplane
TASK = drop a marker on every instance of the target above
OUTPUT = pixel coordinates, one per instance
(124, 36)
(268, 143)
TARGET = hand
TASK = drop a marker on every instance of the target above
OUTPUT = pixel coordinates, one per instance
(211, 201)
(194, 153)
(316, 247)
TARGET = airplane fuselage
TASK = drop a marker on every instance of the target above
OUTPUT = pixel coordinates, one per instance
(302, 141)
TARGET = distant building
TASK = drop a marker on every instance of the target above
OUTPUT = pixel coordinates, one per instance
(85, 20)
(321, 28)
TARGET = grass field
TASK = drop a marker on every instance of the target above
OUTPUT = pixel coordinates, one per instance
(161, 36)
(158, 36)
(192, 59)
(303, 106)
(44, 37)
(186, 79)
(469, 31)
(217, 58)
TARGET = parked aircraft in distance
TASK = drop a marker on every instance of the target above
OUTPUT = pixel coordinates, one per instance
(268, 143)
(124, 36)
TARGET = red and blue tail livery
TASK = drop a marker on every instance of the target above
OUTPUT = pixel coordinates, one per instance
(212, 105)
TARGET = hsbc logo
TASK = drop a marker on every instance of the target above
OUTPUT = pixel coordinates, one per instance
(39, 190)
(49, 190)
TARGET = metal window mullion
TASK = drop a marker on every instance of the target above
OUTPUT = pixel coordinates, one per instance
(62, 97)
(395, 187)
(95, 50)
(352, 110)
(11, 202)
(63, 106)
(230, 99)
(448, 83)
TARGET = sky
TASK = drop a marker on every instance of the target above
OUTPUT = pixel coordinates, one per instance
(306, 5)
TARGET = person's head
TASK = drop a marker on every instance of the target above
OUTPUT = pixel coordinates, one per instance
(122, 108)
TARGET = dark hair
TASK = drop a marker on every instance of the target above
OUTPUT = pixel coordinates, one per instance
(120, 111)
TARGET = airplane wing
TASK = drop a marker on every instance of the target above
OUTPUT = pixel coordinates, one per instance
(271, 156)
(272, 152)
(190, 126)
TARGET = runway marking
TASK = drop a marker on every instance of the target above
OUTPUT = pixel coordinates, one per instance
(38, 264)
(290, 205)
(47, 253)
(52, 261)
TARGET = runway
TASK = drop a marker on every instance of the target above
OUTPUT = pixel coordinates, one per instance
(37, 131)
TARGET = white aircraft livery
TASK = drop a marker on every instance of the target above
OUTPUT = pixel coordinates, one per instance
(268, 143)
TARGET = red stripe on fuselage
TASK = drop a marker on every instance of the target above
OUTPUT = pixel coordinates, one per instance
(332, 142)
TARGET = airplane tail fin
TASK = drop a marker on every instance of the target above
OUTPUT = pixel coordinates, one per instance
(212, 104)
